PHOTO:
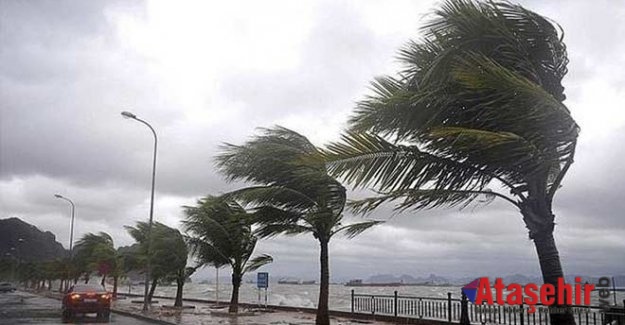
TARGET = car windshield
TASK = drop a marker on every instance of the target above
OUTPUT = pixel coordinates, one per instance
(88, 288)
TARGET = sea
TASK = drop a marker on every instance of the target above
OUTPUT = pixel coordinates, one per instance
(306, 295)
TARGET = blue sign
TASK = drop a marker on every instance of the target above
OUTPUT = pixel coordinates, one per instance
(262, 280)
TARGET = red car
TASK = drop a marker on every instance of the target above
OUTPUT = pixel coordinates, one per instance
(85, 299)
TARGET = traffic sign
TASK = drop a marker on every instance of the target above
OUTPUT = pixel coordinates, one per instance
(262, 280)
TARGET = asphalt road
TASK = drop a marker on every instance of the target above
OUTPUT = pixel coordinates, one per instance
(26, 308)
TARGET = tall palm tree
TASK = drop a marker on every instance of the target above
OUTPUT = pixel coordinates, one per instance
(292, 194)
(220, 233)
(477, 111)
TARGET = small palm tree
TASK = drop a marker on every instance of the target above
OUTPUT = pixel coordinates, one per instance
(220, 233)
(479, 103)
(293, 194)
(170, 249)
(98, 253)
(168, 253)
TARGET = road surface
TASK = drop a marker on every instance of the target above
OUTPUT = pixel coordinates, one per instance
(26, 308)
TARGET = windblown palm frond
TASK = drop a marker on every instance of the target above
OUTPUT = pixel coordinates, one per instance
(364, 159)
(355, 229)
(425, 199)
(257, 262)
(479, 99)
(278, 196)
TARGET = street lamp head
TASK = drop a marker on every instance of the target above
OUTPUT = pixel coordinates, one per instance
(127, 114)
(58, 196)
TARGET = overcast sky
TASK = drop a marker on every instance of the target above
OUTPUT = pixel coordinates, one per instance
(203, 73)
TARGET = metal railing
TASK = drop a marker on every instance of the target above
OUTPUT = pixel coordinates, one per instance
(450, 310)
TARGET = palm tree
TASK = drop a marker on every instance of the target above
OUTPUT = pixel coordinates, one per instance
(98, 253)
(168, 253)
(476, 112)
(220, 233)
(292, 193)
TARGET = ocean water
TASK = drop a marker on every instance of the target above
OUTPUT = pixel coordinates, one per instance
(307, 295)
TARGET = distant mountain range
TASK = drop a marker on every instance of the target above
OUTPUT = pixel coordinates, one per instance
(434, 279)
(407, 279)
(35, 245)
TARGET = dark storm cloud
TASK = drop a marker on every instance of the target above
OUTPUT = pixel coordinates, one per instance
(339, 57)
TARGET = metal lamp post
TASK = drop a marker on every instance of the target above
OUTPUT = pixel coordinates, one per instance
(71, 231)
(149, 234)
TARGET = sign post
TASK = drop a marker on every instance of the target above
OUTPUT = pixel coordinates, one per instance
(262, 281)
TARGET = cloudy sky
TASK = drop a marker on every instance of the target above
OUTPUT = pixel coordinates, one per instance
(203, 73)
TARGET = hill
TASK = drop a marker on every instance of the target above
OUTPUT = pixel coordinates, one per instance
(36, 245)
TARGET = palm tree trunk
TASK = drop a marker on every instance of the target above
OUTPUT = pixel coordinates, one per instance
(180, 283)
(552, 270)
(539, 219)
(323, 317)
(152, 288)
(115, 279)
(234, 299)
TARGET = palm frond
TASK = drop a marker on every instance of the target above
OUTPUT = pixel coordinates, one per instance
(257, 262)
(502, 152)
(426, 199)
(355, 229)
(368, 160)
(275, 229)
(479, 99)
(269, 215)
(278, 196)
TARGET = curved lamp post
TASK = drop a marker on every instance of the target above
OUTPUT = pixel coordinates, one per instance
(71, 232)
(149, 234)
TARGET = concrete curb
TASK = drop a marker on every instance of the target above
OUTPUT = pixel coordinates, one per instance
(141, 317)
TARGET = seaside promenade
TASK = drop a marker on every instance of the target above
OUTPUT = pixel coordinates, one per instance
(126, 310)
(204, 313)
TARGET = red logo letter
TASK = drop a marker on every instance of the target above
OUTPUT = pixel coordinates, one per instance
(483, 292)
(530, 291)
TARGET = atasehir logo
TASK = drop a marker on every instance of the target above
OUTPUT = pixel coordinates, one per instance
(471, 289)
(480, 290)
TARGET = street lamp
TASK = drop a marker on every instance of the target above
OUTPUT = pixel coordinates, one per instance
(71, 232)
(129, 115)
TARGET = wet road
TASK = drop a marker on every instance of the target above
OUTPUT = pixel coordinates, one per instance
(26, 308)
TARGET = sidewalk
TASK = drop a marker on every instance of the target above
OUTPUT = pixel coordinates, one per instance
(205, 313)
